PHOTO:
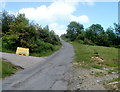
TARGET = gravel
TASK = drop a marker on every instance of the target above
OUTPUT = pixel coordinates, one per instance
(84, 79)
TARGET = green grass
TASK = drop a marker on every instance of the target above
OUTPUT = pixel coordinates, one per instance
(6, 68)
(83, 54)
(97, 66)
(115, 79)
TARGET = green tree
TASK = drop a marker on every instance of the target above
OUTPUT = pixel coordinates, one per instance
(81, 36)
(89, 34)
(102, 39)
(74, 29)
(93, 31)
(111, 36)
(21, 33)
(7, 19)
(117, 30)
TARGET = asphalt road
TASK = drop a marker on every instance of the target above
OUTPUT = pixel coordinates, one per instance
(21, 60)
(52, 74)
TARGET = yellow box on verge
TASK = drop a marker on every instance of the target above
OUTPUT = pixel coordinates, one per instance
(22, 51)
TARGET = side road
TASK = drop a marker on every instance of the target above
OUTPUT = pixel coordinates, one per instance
(22, 61)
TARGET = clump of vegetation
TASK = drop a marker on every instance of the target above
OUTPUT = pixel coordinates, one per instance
(111, 71)
(97, 66)
(96, 54)
(19, 32)
(113, 84)
(98, 74)
(6, 68)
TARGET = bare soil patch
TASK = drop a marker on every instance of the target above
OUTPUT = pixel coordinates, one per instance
(93, 79)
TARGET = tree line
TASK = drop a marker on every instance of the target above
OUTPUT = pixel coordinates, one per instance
(18, 31)
(93, 35)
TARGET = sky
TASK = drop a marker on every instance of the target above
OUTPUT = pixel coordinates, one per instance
(58, 14)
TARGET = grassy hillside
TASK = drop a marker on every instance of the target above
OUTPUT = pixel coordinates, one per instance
(95, 56)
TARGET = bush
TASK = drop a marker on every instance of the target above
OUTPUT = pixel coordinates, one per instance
(45, 47)
(89, 42)
(81, 41)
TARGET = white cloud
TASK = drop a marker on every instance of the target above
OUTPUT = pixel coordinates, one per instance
(57, 10)
(54, 13)
(81, 19)
(59, 29)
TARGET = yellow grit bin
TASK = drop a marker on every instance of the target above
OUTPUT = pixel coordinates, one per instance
(22, 51)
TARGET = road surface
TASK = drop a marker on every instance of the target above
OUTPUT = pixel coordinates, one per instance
(22, 61)
(52, 74)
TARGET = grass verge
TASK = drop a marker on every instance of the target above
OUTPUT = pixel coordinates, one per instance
(95, 56)
(6, 68)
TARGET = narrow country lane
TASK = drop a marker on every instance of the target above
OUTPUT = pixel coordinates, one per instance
(52, 74)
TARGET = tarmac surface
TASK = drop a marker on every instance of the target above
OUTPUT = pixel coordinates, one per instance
(21, 60)
(48, 73)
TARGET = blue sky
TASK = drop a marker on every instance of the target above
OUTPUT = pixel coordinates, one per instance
(58, 14)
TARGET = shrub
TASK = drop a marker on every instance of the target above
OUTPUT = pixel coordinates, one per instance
(81, 41)
(89, 42)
